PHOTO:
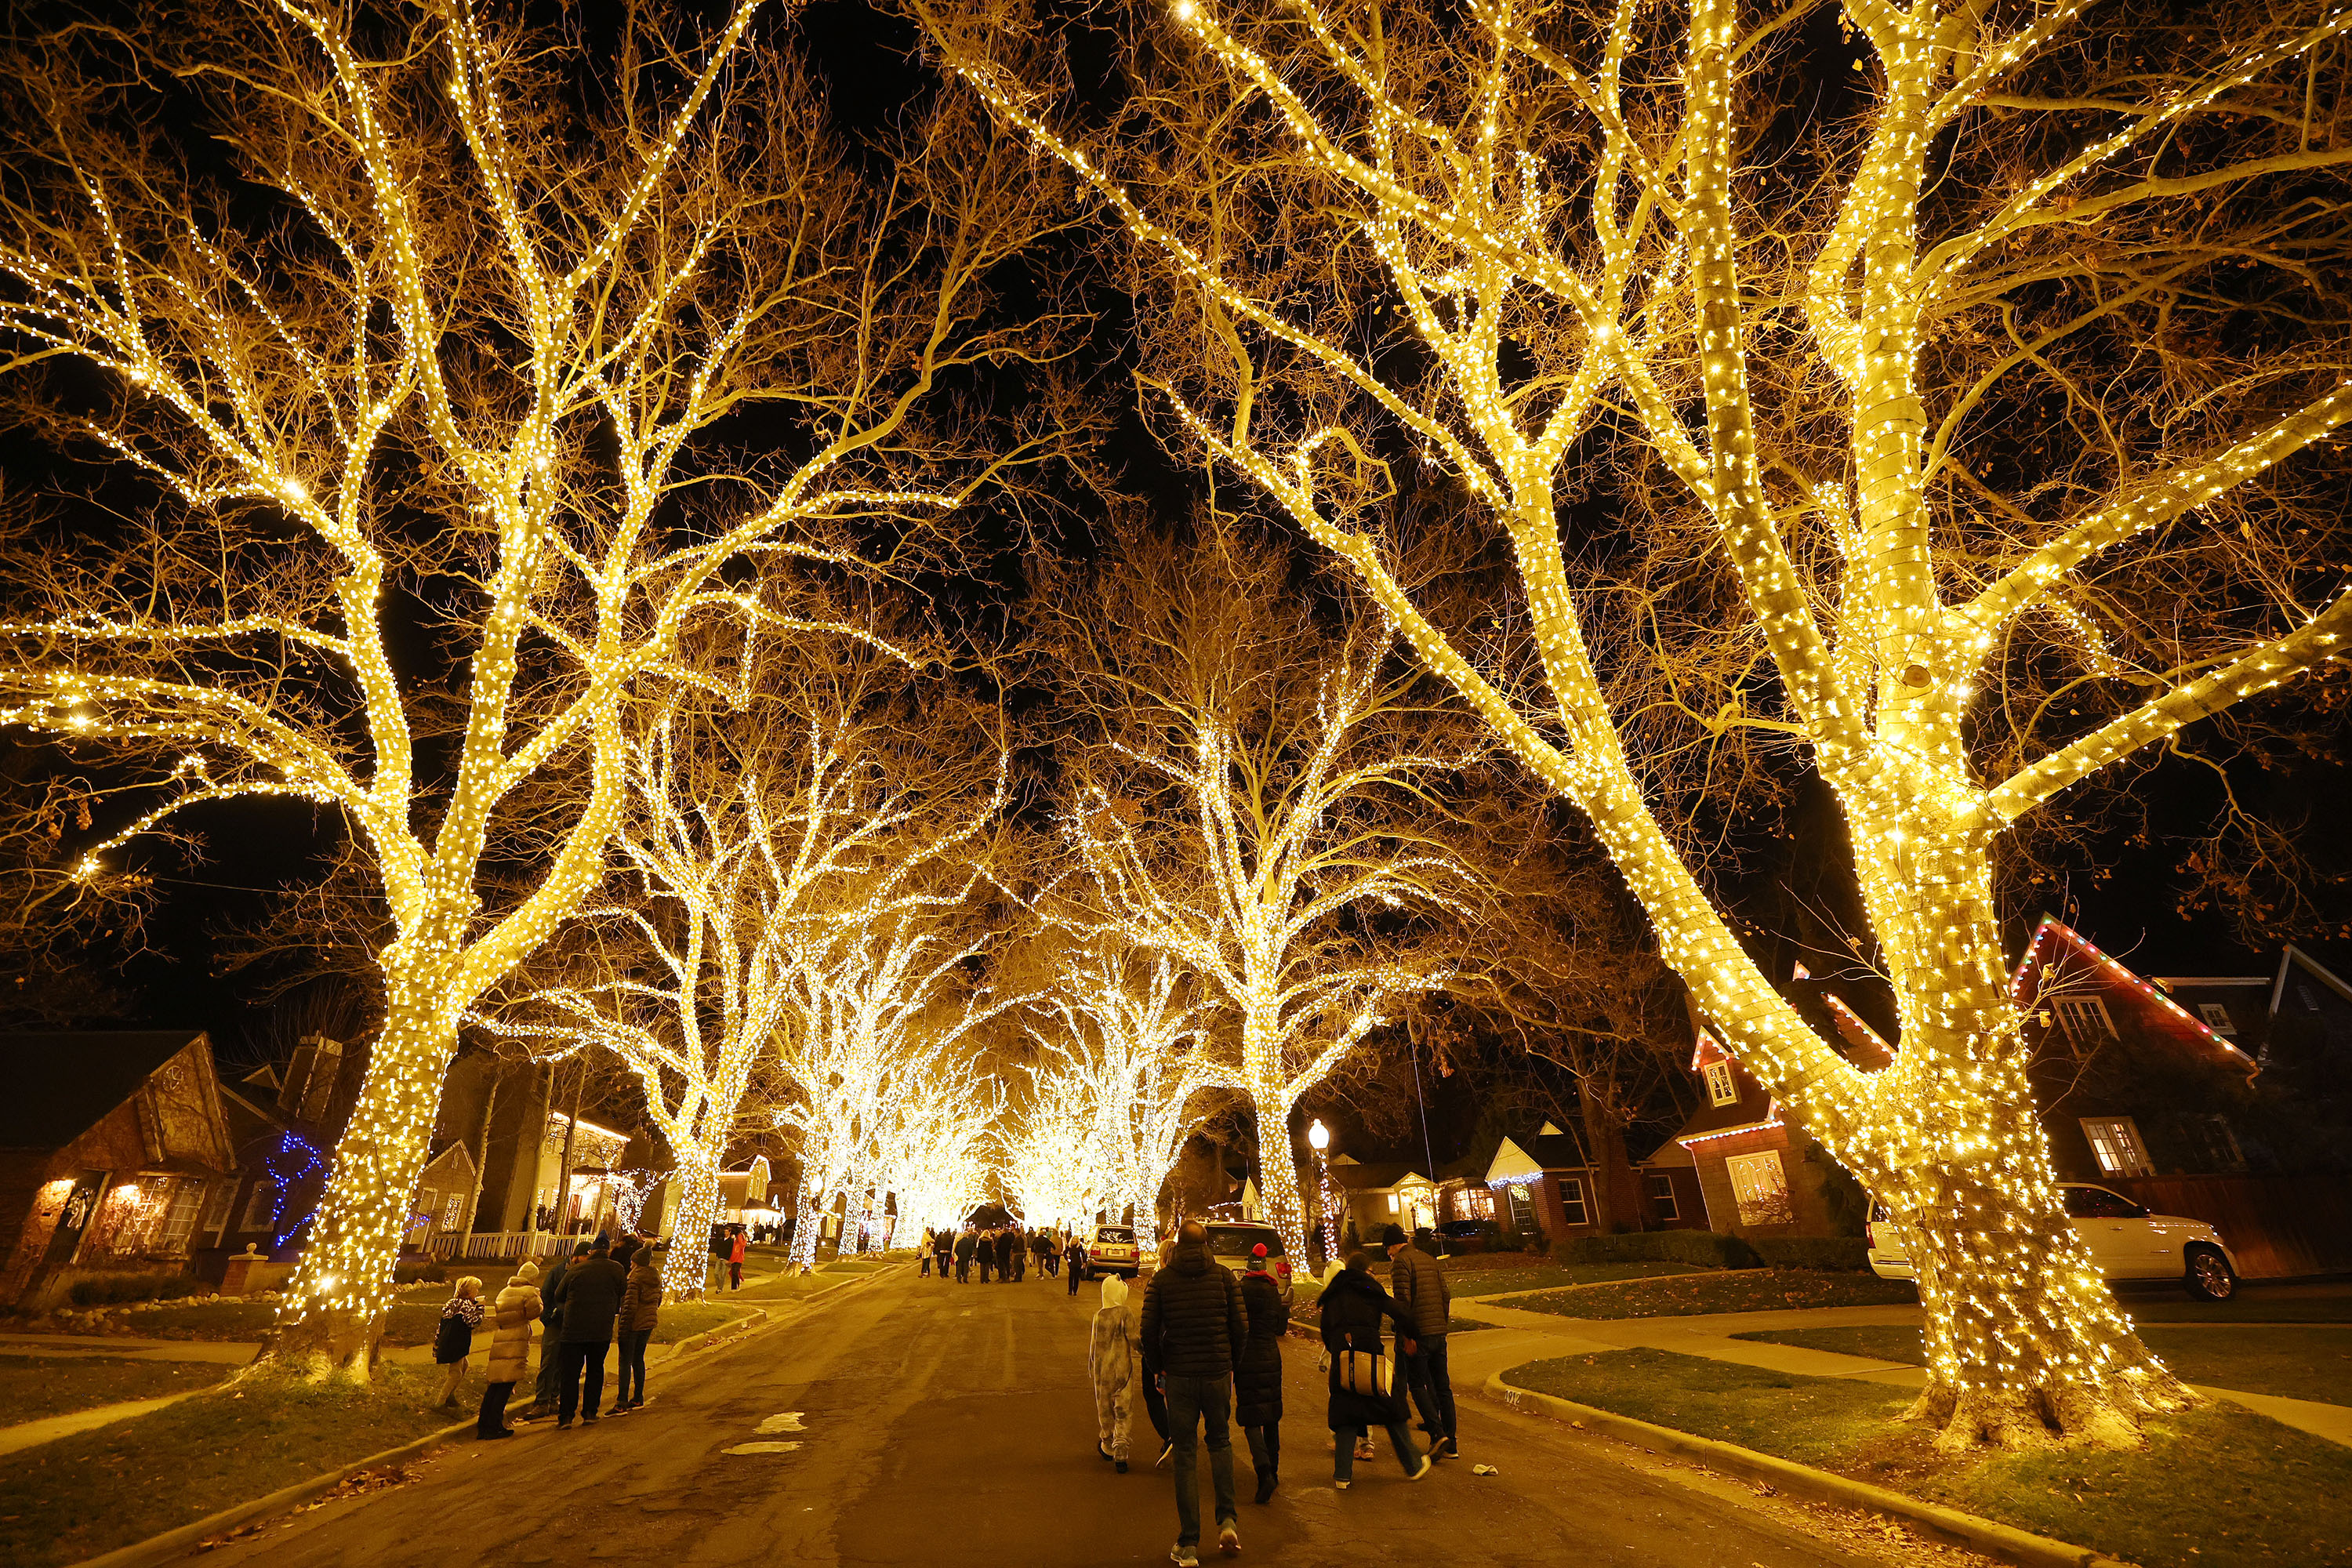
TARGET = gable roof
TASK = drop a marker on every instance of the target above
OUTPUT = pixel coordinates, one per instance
(2297, 957)
(2103, 971)
(62, 1084)
(1375, 1178)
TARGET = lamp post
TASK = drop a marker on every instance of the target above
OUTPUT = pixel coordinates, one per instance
(1319, 1137)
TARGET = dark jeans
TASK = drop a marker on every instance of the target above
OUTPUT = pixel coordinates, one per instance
(1433, 1390)
(1074, 1278)
(1343, 1450)
(542, 1395)
(633, 1367)
(964, 1270)
(734, 1276)
(583, 1365)
(1155, 1406)
(493, 1418)
(1195, 1404)
(1266, 1449)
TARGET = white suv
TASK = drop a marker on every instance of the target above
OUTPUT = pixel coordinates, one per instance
(2126, 1241)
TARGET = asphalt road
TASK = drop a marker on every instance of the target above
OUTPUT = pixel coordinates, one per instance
(940, 1424)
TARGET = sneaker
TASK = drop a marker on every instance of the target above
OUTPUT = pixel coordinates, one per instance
(1427, 1465)
(564, 1425)
(1339, 1485)
(1167, 1448)
(494, 1437)
(1102, 1451)
(1265, 1484)
(590, 1420)
(1120, 1465)
(1443, 1450)
(1229, 1541)
(1184, 1556)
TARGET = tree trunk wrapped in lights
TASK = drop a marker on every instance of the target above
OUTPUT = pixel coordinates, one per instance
(1273, 831)
(1946, 448)
(452, 393)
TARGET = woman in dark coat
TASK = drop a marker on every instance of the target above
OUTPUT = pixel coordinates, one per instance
(1353, 1305)
(1257, 1372)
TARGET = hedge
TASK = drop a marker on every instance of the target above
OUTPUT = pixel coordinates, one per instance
(1850, 1253)
(1699, 1248)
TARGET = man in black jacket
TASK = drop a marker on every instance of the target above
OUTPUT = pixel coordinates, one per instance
(590, 1299)
(1192, 1329)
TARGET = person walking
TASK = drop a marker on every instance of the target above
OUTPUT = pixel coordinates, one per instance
(1049, 1253)
(1004, 1256)
(923, 1256)
(1419, 1287)
(544, 1394)
(965, 1246)
(944, 1244)
(632, 1326)
(453, 1340)
(1257, 1375)
(1364, 1392)
(1193, 1327)
(1020, 1246)
(516, 1309)
(983, 1252)
(1074, 1257)
(735, 1249)
(591, 1299)
(1111, 1365)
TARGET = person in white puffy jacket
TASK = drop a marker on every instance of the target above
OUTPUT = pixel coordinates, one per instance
(1110, 1359)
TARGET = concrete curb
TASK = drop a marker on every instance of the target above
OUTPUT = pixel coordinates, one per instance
(2003, 1541)
(173, 1543)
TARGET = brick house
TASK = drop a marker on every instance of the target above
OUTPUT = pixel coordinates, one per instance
(1543, 1183)
(1758, 1176)
(113, 1148)
(284, 1121)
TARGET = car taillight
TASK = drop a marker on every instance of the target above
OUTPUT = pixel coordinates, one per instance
(1283, 1264)
(1871, 1230)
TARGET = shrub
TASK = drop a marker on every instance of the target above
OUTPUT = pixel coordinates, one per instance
(421, 1271)
(114, 1290)
(1699, 1248)
(1850, 1253)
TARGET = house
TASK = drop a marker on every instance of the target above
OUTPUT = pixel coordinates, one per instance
(446, 1191)
(2215, 1097)
(284, 1121)
(1756, 1174)
(1542, 1183)
(1370, 1196)
(113, 1147)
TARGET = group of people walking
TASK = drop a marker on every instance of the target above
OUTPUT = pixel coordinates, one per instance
(1005, 1252)
(605, 1293)
(1210, 1349)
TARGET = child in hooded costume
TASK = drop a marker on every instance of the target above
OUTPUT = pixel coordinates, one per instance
(1110, 1360)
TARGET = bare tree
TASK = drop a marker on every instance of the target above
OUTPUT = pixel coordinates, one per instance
(1252, 799)
(481, 423)
(1993, 419)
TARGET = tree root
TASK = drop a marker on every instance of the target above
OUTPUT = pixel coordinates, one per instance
(2029, 1419)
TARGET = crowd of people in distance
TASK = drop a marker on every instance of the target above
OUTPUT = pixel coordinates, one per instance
(1003, 1252)
(606, 1293)
(1205, 1353)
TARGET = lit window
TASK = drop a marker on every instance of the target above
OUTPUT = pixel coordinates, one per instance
(1392, 1203)
(2086, 1020)
(1720, 1087)
(2215, 1017)
(1662, 1198)
(1761, 1186)
(180, 1215)
(2115, 1143)
(1571, 1200)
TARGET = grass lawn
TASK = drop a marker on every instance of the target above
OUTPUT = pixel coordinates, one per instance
(32, 1387)
(1722, 1291)
(94, 1491)
(1465, 1278)
(2294, 1361)
(2251, 1304)
(2266, 1496)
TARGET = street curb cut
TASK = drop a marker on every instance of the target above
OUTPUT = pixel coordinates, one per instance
(176, 1541)
(2003, 1541)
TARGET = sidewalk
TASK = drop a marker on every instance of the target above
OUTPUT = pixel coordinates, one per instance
(1519, 1337)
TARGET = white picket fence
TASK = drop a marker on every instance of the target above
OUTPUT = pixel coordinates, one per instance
(492, 1244)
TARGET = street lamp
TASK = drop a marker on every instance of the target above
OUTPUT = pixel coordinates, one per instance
(1319, 1137)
